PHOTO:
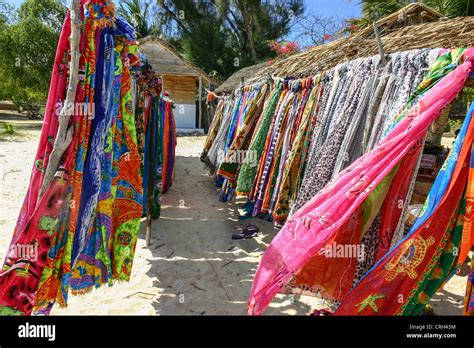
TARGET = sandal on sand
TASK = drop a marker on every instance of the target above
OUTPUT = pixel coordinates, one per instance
(249, 231)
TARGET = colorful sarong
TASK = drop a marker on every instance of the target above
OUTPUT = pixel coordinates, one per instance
(405, 278)
(333, 215)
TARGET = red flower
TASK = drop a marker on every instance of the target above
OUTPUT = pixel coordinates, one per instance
(284, 49)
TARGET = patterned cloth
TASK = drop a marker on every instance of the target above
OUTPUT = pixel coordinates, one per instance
(230, 166)
(214, 127)
(290, 168)
(169, 143)
(287, 141)
(216, 151)
(91, 260)
(469, 297)
(404, 280)
(39, 221)
(249, 168)
(86, 224)
(345, 135)
(153, 160)
(334, 215)
(269, 161)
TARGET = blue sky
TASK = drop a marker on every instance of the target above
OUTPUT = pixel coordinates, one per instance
(341, 8)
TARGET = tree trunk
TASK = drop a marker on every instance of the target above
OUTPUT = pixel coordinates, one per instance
(65, 132)
(248, 28)
(251, 43)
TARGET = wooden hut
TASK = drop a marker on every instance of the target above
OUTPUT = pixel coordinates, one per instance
(185, 82)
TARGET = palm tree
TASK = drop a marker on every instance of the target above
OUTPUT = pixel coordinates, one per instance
(456, 8)
(139, 14)
(375, 9)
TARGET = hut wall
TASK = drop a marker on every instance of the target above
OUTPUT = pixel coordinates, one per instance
(180, 80)
(182, 90)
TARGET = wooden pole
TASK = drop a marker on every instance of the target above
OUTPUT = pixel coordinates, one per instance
(379, 44)
(65, 131)
(151, 180)
(200, 103)
(209, 109)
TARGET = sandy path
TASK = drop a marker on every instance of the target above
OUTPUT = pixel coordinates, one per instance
(192, 266)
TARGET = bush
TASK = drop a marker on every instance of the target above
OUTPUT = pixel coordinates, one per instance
(453, 125)
(9, 128)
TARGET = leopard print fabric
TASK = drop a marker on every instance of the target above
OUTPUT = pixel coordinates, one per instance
(321, 166)
(370, 244)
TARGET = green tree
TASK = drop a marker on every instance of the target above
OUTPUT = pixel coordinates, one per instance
(27, 49)
(197, 29)
(375, 9)
(7, 13)
(255, 23)
(51, 13)
(141, 15)
(227, 35)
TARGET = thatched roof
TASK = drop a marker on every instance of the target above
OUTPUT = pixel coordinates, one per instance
(234, 81)
(412, 14)
(166, 60)
(414, 26)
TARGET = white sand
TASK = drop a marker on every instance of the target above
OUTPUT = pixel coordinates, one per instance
(192, 266)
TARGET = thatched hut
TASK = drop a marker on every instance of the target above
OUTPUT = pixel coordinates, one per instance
(185, 82)
(414, 26)
(240, 77)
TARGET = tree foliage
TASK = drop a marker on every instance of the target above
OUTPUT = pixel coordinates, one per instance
(28, 39)
(219, 36)
(375, 9)
(223, 36)
(141, 14)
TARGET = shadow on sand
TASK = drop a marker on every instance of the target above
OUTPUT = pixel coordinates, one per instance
(199, 268)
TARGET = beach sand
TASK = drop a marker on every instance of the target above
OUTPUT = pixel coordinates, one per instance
(192, 266)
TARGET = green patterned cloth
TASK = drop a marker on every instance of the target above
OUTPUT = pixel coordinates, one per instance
(248, 170)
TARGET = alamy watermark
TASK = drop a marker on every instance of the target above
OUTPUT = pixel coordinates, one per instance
(78, 109)
(335, 250)
(249, 157)
(28, 330)
(24, 251)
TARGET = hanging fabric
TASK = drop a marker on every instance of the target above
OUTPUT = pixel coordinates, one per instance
(407, 276)
(85, 224)
(294, 257)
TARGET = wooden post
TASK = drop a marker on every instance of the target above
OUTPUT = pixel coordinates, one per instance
(200, 103)
(379, 44)
(270, 80)
(64, 133)
(209, 109)
(151, 180)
